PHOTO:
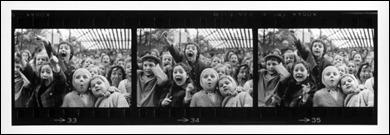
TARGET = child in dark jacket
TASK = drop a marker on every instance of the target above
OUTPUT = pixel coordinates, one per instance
(315, 57)
(190, 56)
(175, 95)
(49, 90)
(299, 89)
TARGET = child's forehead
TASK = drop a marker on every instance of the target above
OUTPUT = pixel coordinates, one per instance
(225, 79)
(331, 69)
(167, 55)
(178, 67)
(45, 67)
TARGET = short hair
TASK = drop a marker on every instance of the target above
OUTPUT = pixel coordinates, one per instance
(115, 67)
(70, 47)
(323, 44)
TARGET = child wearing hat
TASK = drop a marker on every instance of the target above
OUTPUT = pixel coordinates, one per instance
(150, 81)
(355, 97)
(269, 80)
(81, 96)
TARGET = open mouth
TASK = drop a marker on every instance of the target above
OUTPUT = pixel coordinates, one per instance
(63, 54)
(178, 79)
(190, 54)
(299, 76)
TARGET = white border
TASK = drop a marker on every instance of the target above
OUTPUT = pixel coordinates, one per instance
(383, 58)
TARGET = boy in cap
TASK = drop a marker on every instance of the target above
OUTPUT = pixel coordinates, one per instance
(150, 81)
(269, 79)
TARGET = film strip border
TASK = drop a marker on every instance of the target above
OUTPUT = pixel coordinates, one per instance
(195, 116)
(195, 19)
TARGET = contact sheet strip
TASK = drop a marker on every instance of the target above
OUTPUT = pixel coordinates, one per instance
(223, 22)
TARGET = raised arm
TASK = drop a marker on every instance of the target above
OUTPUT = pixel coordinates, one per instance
(162, 78)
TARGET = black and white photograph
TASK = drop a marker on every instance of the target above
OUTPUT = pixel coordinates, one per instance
(194, 68)
(72, 68)
(183, 67)
(316, 68)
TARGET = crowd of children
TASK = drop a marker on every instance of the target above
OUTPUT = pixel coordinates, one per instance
(316, 76)
(190, 78)
(60, 78)
(297, 76)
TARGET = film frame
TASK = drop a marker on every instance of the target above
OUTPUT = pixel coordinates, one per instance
(196, 19)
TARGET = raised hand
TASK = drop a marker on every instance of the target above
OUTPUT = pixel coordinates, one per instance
(166, 101)
(167, 38)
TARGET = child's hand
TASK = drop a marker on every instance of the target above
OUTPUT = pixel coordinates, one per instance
(190, 88)
(113, 89)
(276, 99)
(166, 101)
(306, 89)
(54, 60)
(41, 40)
(167, 38)
(127, 95)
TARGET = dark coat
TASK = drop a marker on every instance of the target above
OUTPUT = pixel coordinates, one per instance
(52, 96)
(317, 66)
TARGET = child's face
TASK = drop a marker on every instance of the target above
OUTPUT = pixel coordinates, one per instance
(128, 69)
(209, 80)
(348, 85)
(167, 60)
(337, 60)
(46, 73)
(94, 71)
(179, 75)
(341, 70)
(25, 56)
(271, 66)
(215, 62)
(366, 73)
(191, 52)
(121, 63)
(318, 49)
(242, 74)
(147, 67)
(88, 62)
(233, 59)
(17, 69)
(229, 66)
(351, 68)
(357, 58)
(116, 76)
(102, 70)
(331, 77)
(81, 82)
(300, 73)
(221, 71)
(106, 60)
(98, 87)
(64, 50)
(225, 87)
(40, 58)
(289, 58)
